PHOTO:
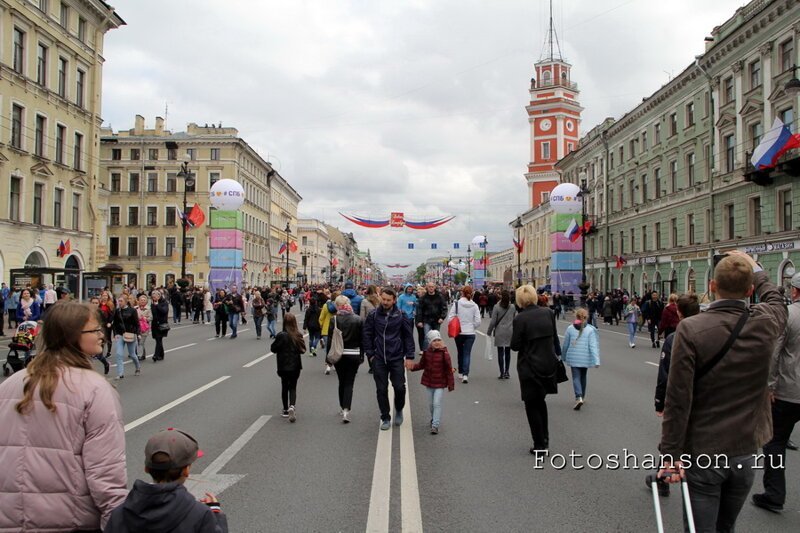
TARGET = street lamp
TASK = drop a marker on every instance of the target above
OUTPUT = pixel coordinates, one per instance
(584, 287)
(469, 262)
(518, 227)
(188, 181)
(288, 231)
(792, 87)
(330, 263)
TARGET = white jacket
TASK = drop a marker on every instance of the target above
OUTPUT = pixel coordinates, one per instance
(468, 313)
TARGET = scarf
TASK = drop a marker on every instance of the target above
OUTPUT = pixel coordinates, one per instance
(344, 310)
(26, 307)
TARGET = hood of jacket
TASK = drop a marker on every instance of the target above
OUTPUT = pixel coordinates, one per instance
(156, 507)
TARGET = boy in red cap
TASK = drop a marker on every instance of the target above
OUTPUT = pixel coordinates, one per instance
(165, 504)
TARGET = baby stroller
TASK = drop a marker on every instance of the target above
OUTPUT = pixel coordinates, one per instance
(21, 347)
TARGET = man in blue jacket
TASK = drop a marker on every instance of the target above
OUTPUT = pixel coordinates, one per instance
(355, 298)
(388, 341)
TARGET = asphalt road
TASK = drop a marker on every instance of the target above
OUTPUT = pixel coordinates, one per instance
(476, 475)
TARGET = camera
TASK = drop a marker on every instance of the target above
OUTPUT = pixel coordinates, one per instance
(718, 258)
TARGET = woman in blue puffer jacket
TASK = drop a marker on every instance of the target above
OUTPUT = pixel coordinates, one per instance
(581, 349)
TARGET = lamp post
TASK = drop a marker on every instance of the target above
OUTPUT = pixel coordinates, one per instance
(792, 87)
(584, 287)
(288, 231)
(469, 262)
(518, 227)
(330, 263)
(188, 181)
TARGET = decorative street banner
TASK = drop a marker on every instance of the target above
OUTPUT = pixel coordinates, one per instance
(225, 253)
(397, 220)
(397, 265)
(478, 261)
(566, 238)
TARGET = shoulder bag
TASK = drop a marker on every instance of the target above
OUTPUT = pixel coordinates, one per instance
(337, 345)
(705, 369)
(454, 326)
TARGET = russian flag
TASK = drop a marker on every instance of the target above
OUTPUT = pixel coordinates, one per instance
(282, 248)
(777, 141)
(573, 231)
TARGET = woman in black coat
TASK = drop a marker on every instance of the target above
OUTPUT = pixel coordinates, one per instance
(347, 367)
(288, 346)
(535, 339)
(159, 328)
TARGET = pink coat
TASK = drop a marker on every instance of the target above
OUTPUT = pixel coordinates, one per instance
(61, 471)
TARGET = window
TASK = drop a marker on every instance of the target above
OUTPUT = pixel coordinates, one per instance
(213, 177)
(305, 240)
(756, 131)
(170, 246)
(15, 197)
(632, 149)
(657, 133)
(19, 51)
(633, 240)
(690, 114)
(151, 247)
(133, 215)
(546, 151)
(152, 216)
(152, 154)
(133, 182)
(690, 169)
(63, 65)
(41, 130)
(58, 200)
(644, 238)
(622, 242)
(690, 229)
(644, 140)
(755, 216)
(172, 154)
(755, 74)
(673, 124)
(644, 188)
(133, 246)
(786, 54)
(787, 117)
(116, 182)
(657, 235)
(80, 83)
(190, 244)
(38, 194)
(170, 216)
(673, 232)
(16, 126)
(621, 154)
(673, 176)
(113, 216)
(41, 65)
(61, 134)
(657, 180)
(82, 29)
(64, 16)
(709, 158)
(76, 211)
(78, 149)
(136, 154)
(215, 154)
(570, 147)
(728, 90)
(785, 210)
(191, 153)
(172, 182)
(116, 154)
(730, 223)
(113, 246)
(730, 153)
(152, 182)
(706, 104)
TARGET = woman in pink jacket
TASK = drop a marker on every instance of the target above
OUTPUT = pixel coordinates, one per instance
(62, 447)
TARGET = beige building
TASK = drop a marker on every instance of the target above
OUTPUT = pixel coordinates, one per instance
(50, 84)
(502, 266)
(313, 236)
(284, 200)
(143, 192)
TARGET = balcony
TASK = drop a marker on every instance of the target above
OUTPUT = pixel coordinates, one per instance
(541, 84)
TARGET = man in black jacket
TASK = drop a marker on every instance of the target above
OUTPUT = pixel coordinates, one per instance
(651, 313)
(431, 312)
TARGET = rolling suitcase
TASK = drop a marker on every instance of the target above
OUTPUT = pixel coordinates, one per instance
(687, 505)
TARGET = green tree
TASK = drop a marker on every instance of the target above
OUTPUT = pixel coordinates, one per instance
(460, 278)
(421, 271)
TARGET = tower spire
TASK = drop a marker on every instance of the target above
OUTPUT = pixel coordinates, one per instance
(551, 44)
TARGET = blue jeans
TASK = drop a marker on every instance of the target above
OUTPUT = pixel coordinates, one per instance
(426, 328)
(271, 327)
(435, 401)
(120, 349)
(632, 332)
(464, 346)
(233, 320)
(579, 381)
(503, 358)
(313, 339)
(176, 312)
(258, 320)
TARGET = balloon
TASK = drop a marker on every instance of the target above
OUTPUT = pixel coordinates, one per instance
(564, 199)
(227, 195)
(478, 239)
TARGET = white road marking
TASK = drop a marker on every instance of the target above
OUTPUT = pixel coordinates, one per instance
(649, 363)
(256, 361)
(410, 511)
(129, 361)
(139, 421)
(378, 516)
(480, 333)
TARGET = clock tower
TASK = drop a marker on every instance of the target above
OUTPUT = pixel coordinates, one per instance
(554, 115)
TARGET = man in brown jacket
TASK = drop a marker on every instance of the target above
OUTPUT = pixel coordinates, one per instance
(716, 418)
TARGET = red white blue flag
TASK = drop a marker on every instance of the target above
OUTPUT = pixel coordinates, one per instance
(777, 141)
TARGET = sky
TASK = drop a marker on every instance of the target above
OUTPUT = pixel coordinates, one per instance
(372, 106)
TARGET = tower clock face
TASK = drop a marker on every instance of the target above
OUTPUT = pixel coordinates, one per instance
(570, 125)
(546, 124)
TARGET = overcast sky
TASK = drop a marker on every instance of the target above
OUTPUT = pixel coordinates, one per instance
(373, 106)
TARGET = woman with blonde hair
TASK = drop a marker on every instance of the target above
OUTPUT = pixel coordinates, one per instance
(581, 349)
(63, 444)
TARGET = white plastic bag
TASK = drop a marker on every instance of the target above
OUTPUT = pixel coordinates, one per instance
(489, 353)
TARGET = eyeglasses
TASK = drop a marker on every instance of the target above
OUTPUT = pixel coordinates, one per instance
(97, 331)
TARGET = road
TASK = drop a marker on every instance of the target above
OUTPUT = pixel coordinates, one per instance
(476, 475)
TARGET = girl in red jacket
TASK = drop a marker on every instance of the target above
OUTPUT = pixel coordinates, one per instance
(437, 375)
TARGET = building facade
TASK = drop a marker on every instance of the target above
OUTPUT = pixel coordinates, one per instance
(51, 60)
(284, 200)
(313, 236)
(502, 266)
(671, 182)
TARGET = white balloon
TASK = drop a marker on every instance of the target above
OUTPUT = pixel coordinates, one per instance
(478, 239)
(564, 199)
(226, 195)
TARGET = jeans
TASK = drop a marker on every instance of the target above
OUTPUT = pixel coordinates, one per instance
(289, 388)
(120, 349)
(384, 371)
(579, 381)
(536, 411)
(142, 339)
(176, 313)
(233, 319)
(504, 359)
(221, 324)
(717, 494)
(435, 401)
(313, 339)
(464, 346)
(271, 328)
(346, 370)
(632, 332)
(426, 328)
(258, 320)
(208, 317)
(784, 417)
(652, 327)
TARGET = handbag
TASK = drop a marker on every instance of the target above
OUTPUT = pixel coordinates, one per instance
(561, 372)
(454, 326)
(128, 337)
(337, 345)
(163, 327)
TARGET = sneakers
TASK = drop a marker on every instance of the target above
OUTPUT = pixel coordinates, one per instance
(465, 379)
(434, 430)
(632, 345)
(761, 500)
(398, 418)
(663, 486)
(327, 370)
(386, 424)
(285, 414)
(578, 404)
(138, 372)
(658, 344)
(506, 376)
(119, 378)
(345, 416)
(292, 414)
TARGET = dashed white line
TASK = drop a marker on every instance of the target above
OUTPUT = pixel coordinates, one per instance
(410, 511)
(378, 515)
(649, 363)
(258, 360)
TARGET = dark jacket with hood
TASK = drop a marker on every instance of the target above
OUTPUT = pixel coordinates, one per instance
(164, 507)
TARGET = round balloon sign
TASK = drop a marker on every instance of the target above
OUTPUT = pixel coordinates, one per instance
(564, 199)
(227, 195)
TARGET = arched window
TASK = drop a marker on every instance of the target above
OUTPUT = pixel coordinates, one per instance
(691, 281)
(657, 282)
(787, 271)
(546, 77)
(645, 288)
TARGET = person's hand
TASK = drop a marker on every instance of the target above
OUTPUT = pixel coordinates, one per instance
(771, 396)
(409, 364)
(660, 414)
(672, 472)
(419, 324)
(210, 498)
(441, 320)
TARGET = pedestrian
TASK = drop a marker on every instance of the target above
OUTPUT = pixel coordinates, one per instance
(327, 310)
(186, 295)
(501, 326)
(159, 328)
(351, 327)
(311, 324)
(107, 312)
(725, 414)
(431, 311)
(784, 391)
(165, 504)
(50, 297)
(407, 303)
(220, 313)
(652, 309)
(197, 305)
(271, 317)
(631, 316)
(63, 445)
(145, 319)
(535, 339)
(581, 349)
(492, 301)
(288, 346)
(125, 328)
(28, 308)
(355, 298)
(95, 301)
(208, 305)
(388, 341)
(259, 312)
(437, 375)
(176, 300)
(371, 301)
(669, 317)
(235, 306)
(469, 315)
(11, 303)
(483, 302)
(608, 310)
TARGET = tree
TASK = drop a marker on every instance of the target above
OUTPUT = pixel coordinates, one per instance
(460, 278)
(420, 273)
